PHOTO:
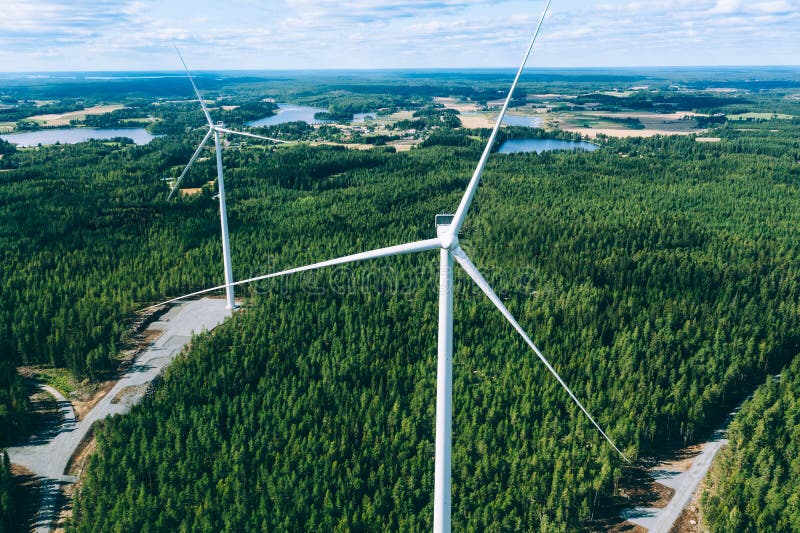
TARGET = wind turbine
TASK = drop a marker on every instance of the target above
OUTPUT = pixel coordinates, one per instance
(217, 129)
(446, 241)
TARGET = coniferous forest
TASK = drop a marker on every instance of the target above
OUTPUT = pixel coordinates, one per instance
(755, 485)
(658, 275)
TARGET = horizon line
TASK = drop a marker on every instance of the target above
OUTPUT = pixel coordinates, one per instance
(409, 69)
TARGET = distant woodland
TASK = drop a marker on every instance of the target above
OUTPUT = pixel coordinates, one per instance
(658, 275)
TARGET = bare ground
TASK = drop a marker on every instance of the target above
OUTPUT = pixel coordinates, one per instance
(78, 461)
(133, 391)
(82, 405)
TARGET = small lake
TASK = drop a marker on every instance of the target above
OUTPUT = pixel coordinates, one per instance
(512, 120)
(290, 113)
(75, 135)
(522, 120)
(514, 146)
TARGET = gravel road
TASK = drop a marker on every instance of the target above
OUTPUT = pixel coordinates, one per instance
(48, 457)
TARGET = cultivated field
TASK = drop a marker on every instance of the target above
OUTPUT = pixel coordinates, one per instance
(458, 105)
(478, 120)
(594, 123)
(64, 118)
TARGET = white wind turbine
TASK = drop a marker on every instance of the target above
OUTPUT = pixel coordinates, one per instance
(216, 129)
(446, 241)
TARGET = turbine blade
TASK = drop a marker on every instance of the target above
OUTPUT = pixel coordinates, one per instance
(202, 103)
(191, 162)
(245, 134)
(466, 200)
(476, 276)
(400, 249)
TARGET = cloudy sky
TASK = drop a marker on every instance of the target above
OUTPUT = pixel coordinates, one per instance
(47, 35)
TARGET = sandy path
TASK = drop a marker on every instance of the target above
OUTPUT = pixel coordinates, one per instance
(47, 456)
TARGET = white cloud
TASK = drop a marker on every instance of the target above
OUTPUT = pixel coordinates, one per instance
(723, 7)
(97, 34)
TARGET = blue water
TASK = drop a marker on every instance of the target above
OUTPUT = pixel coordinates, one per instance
(516, 120)
(513, 146)
(289, 113)
(519, 120)
(75, 135)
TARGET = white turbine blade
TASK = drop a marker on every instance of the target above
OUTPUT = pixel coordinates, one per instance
(400, 249)
(473, 272)
(466, 200)
(202, 103)
(191, 162)
(245, 134)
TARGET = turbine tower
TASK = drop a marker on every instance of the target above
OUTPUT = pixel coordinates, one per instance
(217, 129)
(446, 241)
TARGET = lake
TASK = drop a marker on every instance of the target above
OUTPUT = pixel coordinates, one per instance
(522, 120)
(511, 120)
(75, 135)
(513, 146)
(290, 113)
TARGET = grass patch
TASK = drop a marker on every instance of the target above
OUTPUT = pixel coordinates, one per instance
(58, 378)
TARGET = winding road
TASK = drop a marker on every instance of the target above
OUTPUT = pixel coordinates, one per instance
(47, 456)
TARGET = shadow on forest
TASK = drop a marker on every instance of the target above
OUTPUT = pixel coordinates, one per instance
(27, 497)
(45, 419)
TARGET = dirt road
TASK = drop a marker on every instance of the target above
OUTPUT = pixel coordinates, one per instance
(684, 483)
(47, 455)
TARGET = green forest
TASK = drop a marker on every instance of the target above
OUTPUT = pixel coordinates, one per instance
(755, 485)
(7, 507)
(658, 275)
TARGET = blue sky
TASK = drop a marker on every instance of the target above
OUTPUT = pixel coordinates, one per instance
(46, 35)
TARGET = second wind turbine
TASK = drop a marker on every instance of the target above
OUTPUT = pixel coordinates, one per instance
(216, 129)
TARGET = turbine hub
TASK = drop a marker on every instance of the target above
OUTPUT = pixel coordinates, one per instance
(449, 241)
(447, 237)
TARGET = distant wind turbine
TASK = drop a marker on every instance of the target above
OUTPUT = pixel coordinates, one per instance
(446, 241)
(216, 129)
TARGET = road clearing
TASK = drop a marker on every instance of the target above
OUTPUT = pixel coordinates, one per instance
(684, 481)
(48, 457)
